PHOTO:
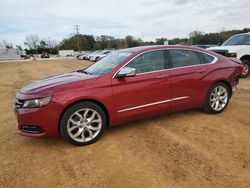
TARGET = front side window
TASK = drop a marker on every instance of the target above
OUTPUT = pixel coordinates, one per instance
(184, 58)
(148, 62)
(108, 63)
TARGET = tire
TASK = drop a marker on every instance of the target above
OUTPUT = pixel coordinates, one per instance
(246, 65)
(83, 123)
(97, 59)
(217, 98)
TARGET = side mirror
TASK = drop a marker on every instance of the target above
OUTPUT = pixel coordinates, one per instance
(126, 72)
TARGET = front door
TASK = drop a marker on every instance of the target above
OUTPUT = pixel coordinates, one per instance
(147, 92)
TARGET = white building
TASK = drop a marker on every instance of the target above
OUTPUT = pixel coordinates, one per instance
(66, 53)
(10, 54)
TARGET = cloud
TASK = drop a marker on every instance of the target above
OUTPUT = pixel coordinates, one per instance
(11, 29)
(181, 2)
(147, 19)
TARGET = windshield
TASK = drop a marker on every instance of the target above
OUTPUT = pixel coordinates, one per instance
(108, 63)
(238, 40)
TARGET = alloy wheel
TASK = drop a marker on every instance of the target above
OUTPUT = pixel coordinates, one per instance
(218, 98)
(84, 125)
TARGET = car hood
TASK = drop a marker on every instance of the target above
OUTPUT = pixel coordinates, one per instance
(47, 85)
(230, 49)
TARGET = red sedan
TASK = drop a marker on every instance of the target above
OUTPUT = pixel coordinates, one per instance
(127, 85)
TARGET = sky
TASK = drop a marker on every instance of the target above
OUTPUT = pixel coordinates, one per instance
(145, 19)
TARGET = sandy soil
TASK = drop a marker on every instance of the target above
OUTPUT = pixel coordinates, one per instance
(185, 149)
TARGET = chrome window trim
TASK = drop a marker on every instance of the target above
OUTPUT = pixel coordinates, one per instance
(196, 50)
(154, 103)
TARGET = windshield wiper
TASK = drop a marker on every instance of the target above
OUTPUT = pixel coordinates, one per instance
(85, 72)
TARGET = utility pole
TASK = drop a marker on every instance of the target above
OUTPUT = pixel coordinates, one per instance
(49, 46)
(77, 27)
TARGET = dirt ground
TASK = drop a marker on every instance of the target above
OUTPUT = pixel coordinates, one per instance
(184, 149)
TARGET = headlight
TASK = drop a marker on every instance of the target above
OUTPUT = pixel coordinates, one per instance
(36, 103)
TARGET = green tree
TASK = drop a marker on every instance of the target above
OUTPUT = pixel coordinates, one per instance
(160, 41)
(130, 41)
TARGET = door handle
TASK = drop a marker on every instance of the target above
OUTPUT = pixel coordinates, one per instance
(161, 76)
(201, 70)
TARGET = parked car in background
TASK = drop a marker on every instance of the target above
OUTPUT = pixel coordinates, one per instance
(80, 54)
(130, 84)
(100, 55)
(45, 55)
(83, 54)
(92, 54)
(237, 46)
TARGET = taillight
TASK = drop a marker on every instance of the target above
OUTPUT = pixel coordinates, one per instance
(239, 63)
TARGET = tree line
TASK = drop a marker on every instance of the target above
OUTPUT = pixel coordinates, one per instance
(34, 44)
(90, 42)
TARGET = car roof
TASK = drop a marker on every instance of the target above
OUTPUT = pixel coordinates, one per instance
(155, 47)
(241, 34)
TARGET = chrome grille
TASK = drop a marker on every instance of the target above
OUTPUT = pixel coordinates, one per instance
(18, 104)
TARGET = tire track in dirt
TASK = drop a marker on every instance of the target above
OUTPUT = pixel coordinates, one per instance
(184, 162)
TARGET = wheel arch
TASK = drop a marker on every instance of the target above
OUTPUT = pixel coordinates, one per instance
(207, 106)
(226, 83)
(85, 100)
(246, 57)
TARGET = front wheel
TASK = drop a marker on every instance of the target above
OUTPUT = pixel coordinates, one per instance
(217, 98)
(83, 123)
(97, 59)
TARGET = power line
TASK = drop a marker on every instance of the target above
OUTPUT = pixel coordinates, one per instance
(77, 27)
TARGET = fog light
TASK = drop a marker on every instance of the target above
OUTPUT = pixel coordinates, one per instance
(32, 129)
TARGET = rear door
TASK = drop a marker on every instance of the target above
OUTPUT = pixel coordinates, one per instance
(145, 93)
(188, 77)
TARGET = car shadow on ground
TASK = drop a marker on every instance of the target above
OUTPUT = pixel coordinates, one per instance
(115, 131)
(151, 120)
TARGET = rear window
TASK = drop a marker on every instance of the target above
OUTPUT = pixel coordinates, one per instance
(205, 58)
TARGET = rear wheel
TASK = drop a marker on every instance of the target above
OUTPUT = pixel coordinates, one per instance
(246, 65)
(217, 98)
(83, 123)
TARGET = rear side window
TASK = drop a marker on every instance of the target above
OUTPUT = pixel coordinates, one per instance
(184, 58)
(205, 58)
(148, 62)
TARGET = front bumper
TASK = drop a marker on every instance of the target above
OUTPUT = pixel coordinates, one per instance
(38, 122)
